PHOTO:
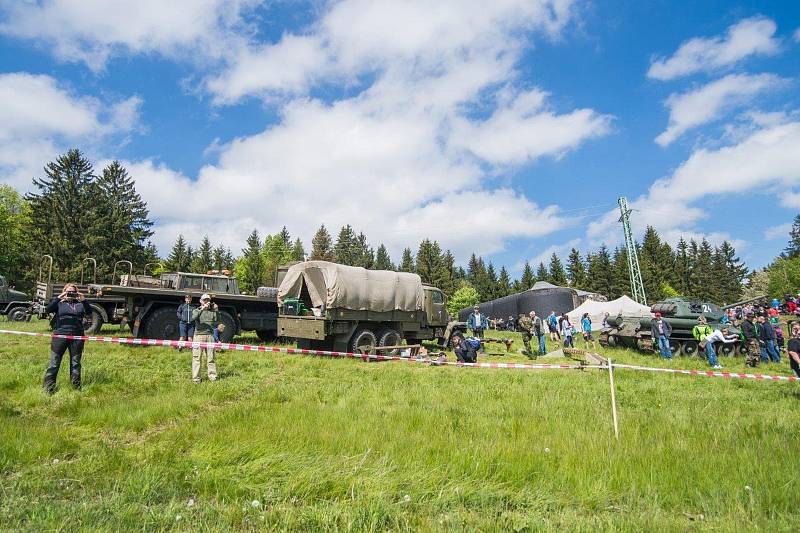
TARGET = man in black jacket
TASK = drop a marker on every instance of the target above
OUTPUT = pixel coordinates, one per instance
(661, 331)
(185, 323)
(750, 333)
(70, 307)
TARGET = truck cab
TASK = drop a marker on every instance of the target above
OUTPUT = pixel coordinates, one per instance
(435, 305)
(12, 302)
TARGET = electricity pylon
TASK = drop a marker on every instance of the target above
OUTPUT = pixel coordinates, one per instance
(637, 285)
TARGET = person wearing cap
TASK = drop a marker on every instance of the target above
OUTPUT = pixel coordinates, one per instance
(477, 322)
(661, 332)
(185, 324)
(750, 333)
(205, 319)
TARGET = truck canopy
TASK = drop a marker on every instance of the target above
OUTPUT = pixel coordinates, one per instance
(335, 286)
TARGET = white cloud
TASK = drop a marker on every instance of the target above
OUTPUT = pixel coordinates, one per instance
(709, 102)
(767, 160)
(562, 250)
(797, 35)
(779, 231)
(41, 118)
(91, 31)
(752, 36)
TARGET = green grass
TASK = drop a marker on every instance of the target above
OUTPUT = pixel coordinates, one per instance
(305, 443)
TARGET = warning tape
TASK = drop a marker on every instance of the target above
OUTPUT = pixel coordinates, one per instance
(295, 351)
(709, 373)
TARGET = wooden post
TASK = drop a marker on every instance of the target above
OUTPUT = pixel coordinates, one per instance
(613, 398)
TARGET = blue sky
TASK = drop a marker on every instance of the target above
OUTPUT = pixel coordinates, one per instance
(507, 128)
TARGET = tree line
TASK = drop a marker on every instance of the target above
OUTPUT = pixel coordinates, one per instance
(74, 212)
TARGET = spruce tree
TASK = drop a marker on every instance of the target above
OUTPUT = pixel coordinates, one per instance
(203, 261)
(407, 263)
(528, 278)
(682, 268)
(576, 269)
(218, 258)
(275, 252)
(430, 266)
(298, 252)
(382, 259)
(557, 275)
(733, 273)
(703, 275)
(450, 278)
(346, 251)
(541, 273)
(601, 276)
(620, 278)
(503, 283)
(364, 256)
(793, 247)
(321, 245)
(178, 260)
(491, 282)
(250, 267)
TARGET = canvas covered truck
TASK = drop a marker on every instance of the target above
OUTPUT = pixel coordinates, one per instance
(328, 306)
(151, 306)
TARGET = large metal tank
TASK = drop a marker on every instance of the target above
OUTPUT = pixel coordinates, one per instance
(682, 315)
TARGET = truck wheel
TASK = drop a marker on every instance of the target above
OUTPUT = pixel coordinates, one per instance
(742, 349)
(93, 322)
(163, 324)
(689, 348)
(389, 337)
(363, 341)
(612, 341)
(675, 346)
(18, 314)
(726, 349)
(230, 327)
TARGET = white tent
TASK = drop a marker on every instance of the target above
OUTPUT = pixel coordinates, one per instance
(621, 306)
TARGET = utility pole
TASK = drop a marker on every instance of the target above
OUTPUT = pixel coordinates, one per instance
(637, 285)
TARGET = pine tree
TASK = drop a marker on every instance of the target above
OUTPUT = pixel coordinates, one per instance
(285, 237)
(620, 277)
(218, 258)
(120, 219)
(298, 252)
(203, 260)
(178, 260)
(734, 273)
(322, 245)
(250, 267)
(793, 247)
(363, 256)
(491, 282)
(541, 273)
(346, 251)
(407, 263)
(61, 211)
(682, 268)
(557, 275)
(656, 261)
(189, 258)
(601, 277)
(576, 269)
(382, 259)
(528, 279)
(503, 283)
(429, 263)
(450, 280)
(703, 275)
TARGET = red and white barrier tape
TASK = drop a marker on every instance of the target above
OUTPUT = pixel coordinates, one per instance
(709, 373)
(297, 351)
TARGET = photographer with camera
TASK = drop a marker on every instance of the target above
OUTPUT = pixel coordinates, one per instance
(205, 318)
(70, 307)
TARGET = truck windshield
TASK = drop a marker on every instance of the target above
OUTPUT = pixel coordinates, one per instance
(193, 283)
(436, 297)
(217, 285)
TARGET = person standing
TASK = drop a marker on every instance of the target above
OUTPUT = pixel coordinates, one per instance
(185, 324)
(566, 331)
(586, 329)
(538, 330)
(477, 322)
(661, 332)
(552, 326)
(525, 324)
(702, 333)
(69, 309)
(793, 348)
(205, 319)
(768, 339)
(750, 333)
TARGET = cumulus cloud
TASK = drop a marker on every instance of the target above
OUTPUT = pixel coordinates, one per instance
(751, 36)
(707, 103)
(766, 159)
(91, 31)
(778, 232)
(41, 118)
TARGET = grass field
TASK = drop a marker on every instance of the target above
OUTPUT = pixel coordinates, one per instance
(292, 442)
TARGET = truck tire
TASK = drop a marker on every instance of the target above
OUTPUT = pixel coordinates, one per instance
(162, 324)
(725, 348)
(230, 326)
(93, 322)
(18, 314)
(389, 337)
(612, 341)
(363, 341)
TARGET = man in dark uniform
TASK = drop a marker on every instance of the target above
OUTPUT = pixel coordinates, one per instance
(750, 333)
(525, 324)
(69, 307)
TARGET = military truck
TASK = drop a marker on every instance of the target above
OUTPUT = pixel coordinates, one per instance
(150, 307)
(328, 306)
(14, 304)
(682, 315)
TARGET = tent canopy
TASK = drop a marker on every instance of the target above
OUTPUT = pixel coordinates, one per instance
(355, 288)
(624, 306)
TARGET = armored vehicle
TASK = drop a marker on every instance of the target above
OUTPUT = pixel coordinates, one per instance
(682, 315)
(13, 303)
(327, 306)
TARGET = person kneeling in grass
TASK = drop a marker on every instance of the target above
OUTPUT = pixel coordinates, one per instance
(465, 352)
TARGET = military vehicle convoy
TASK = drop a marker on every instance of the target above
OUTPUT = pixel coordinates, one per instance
(682, 315)
(327, 306)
